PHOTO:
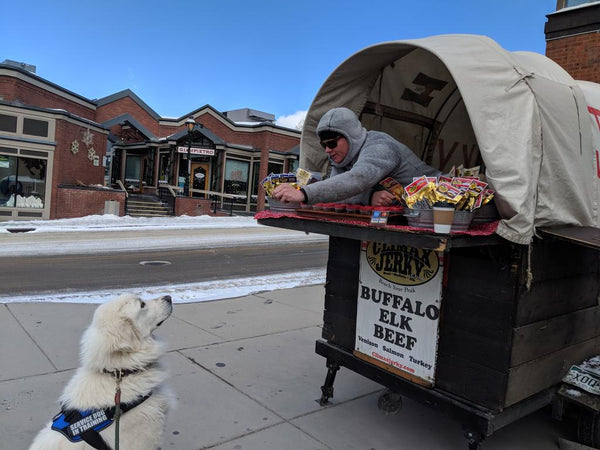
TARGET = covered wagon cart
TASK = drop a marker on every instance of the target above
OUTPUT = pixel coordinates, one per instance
(485, 323)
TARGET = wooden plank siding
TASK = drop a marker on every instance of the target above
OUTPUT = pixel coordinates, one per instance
(475, 325)
(341, 287)
(547, 336)
(557, 321)
(556, 297)
(553, 259)
(496, 330)
(541, 373)
(474, 383)
(500, 340)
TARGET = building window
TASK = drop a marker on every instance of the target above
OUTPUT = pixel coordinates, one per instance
(22, 182)
(236, 178)
(293, 165)
(8, 123)
(35, 127)
(133, 168)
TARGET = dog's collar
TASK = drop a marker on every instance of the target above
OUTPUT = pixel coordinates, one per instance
(120, 373)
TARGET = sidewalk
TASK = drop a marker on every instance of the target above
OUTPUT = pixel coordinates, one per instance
(246, 377)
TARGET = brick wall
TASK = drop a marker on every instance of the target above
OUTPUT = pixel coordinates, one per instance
(73, 169)
(70, 168)
(579, 55)
(13, 89)
(127, 105)
(73, 201)
(191, 206)
(258, 139)
(573, 40)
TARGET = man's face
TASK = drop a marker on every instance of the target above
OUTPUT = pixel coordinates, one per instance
(340, 151)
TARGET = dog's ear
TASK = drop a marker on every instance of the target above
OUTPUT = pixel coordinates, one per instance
(107, 338)
(127, 337)
(119, 335)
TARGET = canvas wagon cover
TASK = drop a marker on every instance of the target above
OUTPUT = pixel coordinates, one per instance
(462, 99)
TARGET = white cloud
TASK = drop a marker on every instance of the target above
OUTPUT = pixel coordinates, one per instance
(295, 120)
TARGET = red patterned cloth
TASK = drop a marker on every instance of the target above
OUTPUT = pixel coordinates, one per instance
(481, 229)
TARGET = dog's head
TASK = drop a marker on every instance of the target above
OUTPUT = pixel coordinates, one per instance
(121, 332)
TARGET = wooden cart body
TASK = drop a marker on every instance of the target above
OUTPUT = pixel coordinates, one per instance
(513, 318)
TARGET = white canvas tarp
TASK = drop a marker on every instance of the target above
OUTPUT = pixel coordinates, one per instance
(462, 99)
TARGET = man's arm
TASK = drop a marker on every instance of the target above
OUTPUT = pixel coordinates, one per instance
(372, 165)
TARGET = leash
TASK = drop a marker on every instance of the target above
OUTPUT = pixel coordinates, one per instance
(118, 408)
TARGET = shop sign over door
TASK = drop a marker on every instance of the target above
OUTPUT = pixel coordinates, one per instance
(398, 310)
(197, 151)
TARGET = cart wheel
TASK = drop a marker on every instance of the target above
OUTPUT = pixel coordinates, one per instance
(474, 440)
(475, 445)
(389, 402)
(588, 428)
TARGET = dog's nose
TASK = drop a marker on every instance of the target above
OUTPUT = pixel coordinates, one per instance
(167, 298)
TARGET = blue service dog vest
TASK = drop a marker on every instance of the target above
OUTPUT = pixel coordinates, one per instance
(79, 426)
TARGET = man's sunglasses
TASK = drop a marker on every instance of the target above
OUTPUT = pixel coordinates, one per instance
(330, 143)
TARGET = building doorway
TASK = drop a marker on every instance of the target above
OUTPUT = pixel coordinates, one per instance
(133, 173)
(199, 177)
(164, 168)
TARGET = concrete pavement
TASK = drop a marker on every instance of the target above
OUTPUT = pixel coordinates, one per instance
(246, 377)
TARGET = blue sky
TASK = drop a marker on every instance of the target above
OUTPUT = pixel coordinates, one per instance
(267, 55)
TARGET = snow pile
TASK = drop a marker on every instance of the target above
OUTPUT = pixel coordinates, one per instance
(110, 222)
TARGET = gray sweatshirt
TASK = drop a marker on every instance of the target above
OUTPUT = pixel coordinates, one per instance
(372, 156)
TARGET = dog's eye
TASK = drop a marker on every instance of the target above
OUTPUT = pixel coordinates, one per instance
(142, 304)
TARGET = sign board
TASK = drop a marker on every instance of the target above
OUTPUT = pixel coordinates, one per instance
(197, 151)
(398, 310)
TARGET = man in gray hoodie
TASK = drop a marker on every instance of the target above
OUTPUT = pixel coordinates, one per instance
(359, 159)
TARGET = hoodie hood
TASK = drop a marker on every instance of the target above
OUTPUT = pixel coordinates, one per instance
(346, 123)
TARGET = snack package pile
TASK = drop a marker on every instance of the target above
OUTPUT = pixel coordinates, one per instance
(275, 179)
(464, 192)
(298, 179)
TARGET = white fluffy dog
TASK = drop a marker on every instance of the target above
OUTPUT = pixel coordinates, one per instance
(118, 352)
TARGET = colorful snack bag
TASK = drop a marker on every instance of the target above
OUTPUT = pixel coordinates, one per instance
(303, 177)
(445, 192)
(469, 172)
(420, 193)
(393, 187)
(488, 194)
(273, 180)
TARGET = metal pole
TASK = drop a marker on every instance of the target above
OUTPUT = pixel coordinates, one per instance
(189, 164)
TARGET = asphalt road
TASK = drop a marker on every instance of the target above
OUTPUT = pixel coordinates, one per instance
(56, 273)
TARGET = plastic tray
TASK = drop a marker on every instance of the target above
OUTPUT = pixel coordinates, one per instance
(277, 206)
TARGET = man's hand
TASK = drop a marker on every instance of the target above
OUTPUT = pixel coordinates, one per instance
(285, 192)
(382, 198)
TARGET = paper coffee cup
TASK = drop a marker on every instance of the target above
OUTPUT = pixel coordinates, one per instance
(442, 219)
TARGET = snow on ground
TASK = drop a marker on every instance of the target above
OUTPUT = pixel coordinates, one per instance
(53, 237)
(185, 293)
(109, 222)
(221, 233)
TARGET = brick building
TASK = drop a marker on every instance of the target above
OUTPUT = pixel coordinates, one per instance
(573, 38)
(62, 155)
